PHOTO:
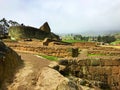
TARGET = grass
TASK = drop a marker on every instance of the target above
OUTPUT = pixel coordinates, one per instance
(95, 54)
(8, 40)
(72, 41)
(52, 58)
(116, 42)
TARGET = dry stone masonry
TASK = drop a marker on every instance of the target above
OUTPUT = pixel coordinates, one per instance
(100, 72)
(48, 50)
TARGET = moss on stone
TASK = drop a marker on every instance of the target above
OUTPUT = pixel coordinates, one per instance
(25, 32)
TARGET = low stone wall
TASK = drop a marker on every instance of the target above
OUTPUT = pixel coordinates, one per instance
(106, 51)
(105, 48)
(85, 44)
(103, 52)
(52, 51)
(96, 70)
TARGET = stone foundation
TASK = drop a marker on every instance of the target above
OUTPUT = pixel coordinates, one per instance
(96, 70)
(58, 51)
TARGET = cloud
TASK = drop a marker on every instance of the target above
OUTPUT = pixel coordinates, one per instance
(64, 15)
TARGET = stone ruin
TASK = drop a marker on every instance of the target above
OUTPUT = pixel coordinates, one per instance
(57, 51)
(96, 72)
(45, 27)
(50, 42)
(27, 32)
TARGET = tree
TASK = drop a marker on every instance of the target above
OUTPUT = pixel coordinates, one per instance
(78, 37)
(108, 39)
(85, 38)
(99, 39)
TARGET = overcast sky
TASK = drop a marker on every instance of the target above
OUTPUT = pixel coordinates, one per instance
(64, 16)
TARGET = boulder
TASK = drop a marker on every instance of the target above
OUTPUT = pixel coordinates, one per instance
(46, 41)
(53, 80)
(54, 65)
(9, 61)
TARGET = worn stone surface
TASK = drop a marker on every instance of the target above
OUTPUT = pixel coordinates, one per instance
(52, 80)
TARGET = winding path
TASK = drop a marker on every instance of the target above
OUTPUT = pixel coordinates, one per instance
(26, 77)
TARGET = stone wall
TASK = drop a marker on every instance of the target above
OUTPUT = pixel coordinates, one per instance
(83, 44)
(109, 51)
(104, 73)
(48, 50)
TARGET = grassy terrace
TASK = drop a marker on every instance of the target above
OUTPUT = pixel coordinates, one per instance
(52, 58)
(95, 55)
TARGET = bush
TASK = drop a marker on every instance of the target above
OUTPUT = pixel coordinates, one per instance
(53, 58)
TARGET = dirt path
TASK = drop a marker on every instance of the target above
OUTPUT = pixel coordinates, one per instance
(27, 75)
(36, 62)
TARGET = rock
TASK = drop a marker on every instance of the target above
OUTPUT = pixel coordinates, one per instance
(46, 41)
(50, 79)
(45, 27)
(54, 65)
(28, 32)
(62, 67)
(9, 61)
(63, 62)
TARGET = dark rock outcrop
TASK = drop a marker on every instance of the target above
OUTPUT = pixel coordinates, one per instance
(25, 32)
(9, 61)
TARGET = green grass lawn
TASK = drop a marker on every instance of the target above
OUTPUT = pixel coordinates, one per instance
(52, 58)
